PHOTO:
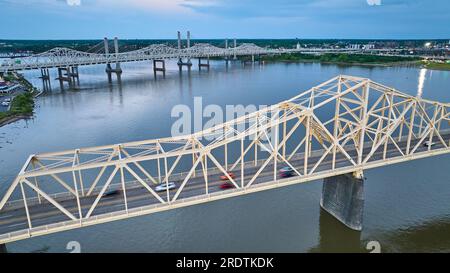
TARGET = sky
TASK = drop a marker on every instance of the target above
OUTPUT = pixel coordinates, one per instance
(209, 19)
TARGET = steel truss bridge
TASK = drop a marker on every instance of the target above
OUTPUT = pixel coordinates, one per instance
(64, 57)
(344, 125)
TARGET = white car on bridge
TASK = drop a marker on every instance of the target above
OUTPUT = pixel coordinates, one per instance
(164, 186)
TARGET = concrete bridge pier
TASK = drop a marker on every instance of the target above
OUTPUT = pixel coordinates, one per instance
(227, 57)
(45, 76)
(3, 248)
(234, 53)
(68, 74)
(181, 63)
(246, 61)
(116, 49)
(343, 198)
(109, 69)
(156, 68)
(73, 73)
(200, 64)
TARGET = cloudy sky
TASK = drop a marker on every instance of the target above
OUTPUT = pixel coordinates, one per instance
(77, 19)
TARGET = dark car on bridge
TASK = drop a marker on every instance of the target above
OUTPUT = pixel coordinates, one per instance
(226, 185)
(287, 172)
(111, 193)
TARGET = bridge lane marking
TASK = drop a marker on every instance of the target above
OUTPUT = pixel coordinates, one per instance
(18, 224)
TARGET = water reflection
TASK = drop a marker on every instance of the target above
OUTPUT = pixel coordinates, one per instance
(422, 78)
(432, 236)
(336, 237)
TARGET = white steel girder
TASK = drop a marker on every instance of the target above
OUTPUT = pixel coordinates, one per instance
(344, 123)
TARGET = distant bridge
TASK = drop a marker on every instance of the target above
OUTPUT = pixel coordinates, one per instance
(341, 127)
(66, 58)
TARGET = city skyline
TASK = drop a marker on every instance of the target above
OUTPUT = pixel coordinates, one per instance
(158, 19)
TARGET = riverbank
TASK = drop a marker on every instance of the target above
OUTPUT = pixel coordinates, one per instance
(344, 59)
(22, 105)
(436, 65)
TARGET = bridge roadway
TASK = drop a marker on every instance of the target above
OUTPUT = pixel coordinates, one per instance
(65, 57)
(13, 218)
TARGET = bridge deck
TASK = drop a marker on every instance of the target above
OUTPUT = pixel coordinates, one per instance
(64, 57)
(13, 222)
(368, 125)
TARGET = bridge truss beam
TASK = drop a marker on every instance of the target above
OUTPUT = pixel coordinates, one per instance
(345, 124)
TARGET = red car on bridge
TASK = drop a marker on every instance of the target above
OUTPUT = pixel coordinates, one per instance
(224, 177)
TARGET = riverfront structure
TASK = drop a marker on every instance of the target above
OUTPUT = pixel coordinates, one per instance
(333, 131)
(67, 60)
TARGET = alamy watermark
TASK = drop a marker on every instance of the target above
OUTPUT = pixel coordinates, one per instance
(374, 247)
(73, 247)
(374, 2)
(201, 117)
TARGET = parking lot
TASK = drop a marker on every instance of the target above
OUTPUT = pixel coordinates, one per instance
(5, 99)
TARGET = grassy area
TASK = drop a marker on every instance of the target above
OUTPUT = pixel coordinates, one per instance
(22, 105)
(340, 58)
(436, 66)
(9, 77)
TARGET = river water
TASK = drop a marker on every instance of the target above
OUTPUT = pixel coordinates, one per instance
(407, 207)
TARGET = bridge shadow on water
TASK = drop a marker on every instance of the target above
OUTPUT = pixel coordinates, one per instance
(430, 236)
(335, 237)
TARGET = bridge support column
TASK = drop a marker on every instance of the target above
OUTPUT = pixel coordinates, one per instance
(109, 70)
(73, 72)
(343, 198)
(227, 57)
(116, 49)
(188, 63)
(180, 62)
(45, 76)
(68, 74)
(200, 64)
(156, 68)
(234, 51)
(3, 248)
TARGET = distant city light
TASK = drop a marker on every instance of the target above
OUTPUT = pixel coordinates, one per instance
(428, 44)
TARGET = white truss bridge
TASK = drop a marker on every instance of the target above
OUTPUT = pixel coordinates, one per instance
(344, 125)
(65, 57)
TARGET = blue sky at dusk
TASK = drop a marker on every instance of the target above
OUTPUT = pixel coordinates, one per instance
(78, 19)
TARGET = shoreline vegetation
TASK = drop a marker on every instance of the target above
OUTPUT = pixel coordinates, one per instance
(355, 59)
(22, 105)
(436, 65)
